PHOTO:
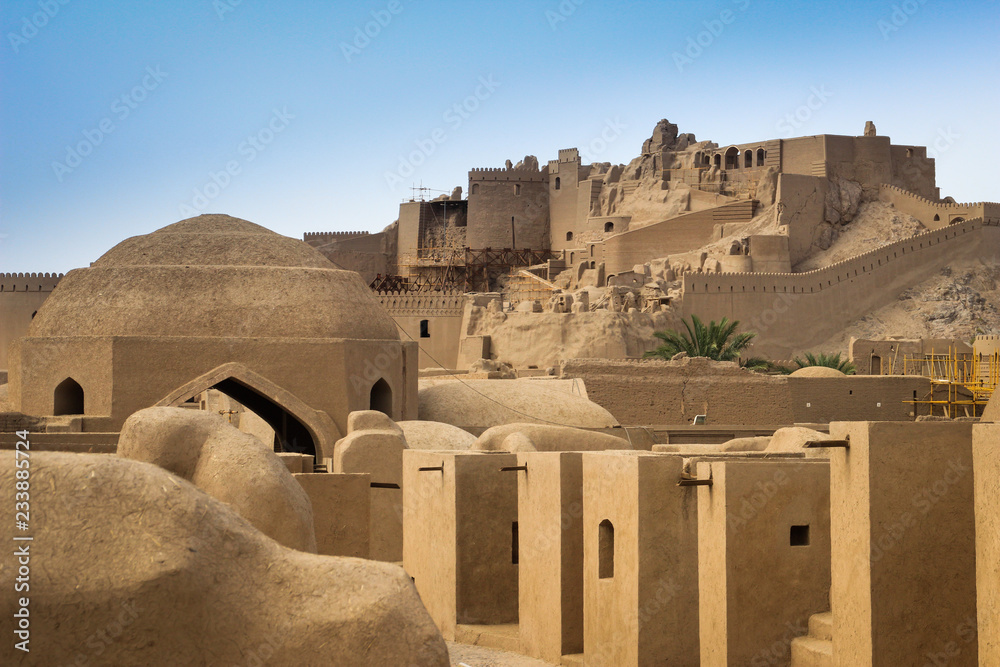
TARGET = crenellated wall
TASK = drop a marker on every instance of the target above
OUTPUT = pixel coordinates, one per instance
(932, 213)
(315, 238)
(791, 312)
(427, 304)
(434, 320)
(21, 295)
(498, 197)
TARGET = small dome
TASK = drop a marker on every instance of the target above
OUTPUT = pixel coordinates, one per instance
(818, 372)
(481, 404)
(213, 276)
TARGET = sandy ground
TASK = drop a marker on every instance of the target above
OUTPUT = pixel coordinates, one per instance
(477, 656)
(961, 302)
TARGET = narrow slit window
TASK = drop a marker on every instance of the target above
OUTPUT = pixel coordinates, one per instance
(606, 550)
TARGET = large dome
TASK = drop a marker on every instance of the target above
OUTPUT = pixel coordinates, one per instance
(213, 276)
(214, 240)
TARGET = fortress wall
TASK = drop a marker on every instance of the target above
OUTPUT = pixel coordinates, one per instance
(564, 200)
(651, 392)
(867, 160)
(924, 209)
(677, 235)
(493, 201)
(793, 312)
(912, 170)
(799, 155)
(21, 295)
(802, 210)
(588, 193)
(364, 253)
(367, 264)
(319, 238)
(409, 229)
(366, 243)
(443, 316)
(655, 392)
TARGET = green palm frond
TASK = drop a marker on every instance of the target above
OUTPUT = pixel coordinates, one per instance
(716, 340)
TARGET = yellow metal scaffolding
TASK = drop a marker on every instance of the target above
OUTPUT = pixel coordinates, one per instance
(960, 381)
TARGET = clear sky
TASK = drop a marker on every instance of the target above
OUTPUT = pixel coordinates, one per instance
(117, 118)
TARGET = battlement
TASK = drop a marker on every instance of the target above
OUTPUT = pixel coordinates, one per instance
(310, 236)
(29, 282)
(503, 175)
(569, 155)
(835, 274)
(896, 190)
(423, 303)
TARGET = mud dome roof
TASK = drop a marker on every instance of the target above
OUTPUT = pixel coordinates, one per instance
(817, 372)
(214, 240)
(213, 276)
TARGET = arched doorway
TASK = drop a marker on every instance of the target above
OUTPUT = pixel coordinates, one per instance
(68, 398)
(298, 426)
(381, 398)
(733, 158)
(290, 434)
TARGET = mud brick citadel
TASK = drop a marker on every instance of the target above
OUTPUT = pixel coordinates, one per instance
(395, 448)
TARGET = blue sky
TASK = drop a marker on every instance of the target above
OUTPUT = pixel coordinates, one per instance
(118, 118)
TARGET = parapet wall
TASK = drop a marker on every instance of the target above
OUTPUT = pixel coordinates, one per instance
(653, 392)
(430, 304)
(791, 312)
(29, 282)
(513, 175)
(925, 210)
(21, 295)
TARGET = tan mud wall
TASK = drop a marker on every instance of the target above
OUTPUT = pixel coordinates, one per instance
(21, 294)
(924, 209)
(652, 392)
(793, 312)
(677, 235)
(443, 313)
(492, 202)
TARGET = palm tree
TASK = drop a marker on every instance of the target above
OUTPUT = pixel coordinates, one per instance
(718, 341)
(828, 360)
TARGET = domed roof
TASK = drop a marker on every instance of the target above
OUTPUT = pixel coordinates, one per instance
(213, 276)
(818, 372)
(214, 240)
(481, 404)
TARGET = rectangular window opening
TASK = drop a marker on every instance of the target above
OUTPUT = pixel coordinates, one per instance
(799, 536)
(606, 550)
(513, 543)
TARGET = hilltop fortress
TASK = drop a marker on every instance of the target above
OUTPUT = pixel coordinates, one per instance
(252, 440)
(768, 233)
(798, 239)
